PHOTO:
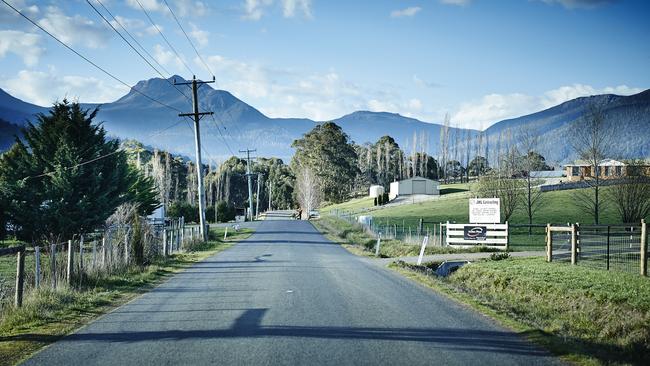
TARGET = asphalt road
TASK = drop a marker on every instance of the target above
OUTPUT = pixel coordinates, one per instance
(287, 296)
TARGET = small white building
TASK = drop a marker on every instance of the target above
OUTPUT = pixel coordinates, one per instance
(376, 191)
(412, 186)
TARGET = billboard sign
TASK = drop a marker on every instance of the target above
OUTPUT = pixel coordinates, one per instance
(484, 210)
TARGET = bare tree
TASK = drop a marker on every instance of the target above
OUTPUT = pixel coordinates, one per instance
(508, 190)
(592, 142)
(632, 196)
(307, 189)
(528, 145)
(444, 144)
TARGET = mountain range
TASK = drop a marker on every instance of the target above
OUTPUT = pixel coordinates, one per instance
(236, 125)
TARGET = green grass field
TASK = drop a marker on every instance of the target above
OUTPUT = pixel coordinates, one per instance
(586, 315)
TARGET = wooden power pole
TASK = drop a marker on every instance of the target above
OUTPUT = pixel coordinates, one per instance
(250, 181)
(197, 140)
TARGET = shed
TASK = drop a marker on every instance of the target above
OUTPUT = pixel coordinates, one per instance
(376, 191)
(413, 186)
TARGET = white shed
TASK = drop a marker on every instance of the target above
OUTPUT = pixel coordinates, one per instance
(376, 191)
(412, 186)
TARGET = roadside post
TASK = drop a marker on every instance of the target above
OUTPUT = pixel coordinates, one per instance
(424, 245)
(378, 244)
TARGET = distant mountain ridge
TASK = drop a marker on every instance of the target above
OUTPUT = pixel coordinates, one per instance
(240, 125)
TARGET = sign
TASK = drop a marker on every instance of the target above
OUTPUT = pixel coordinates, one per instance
(484, 210)
(471, 232)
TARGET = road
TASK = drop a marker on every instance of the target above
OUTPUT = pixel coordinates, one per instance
(288, 296)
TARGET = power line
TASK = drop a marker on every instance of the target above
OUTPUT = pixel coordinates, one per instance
(130, 45)
(188, 38)
(163, 36)
(87, 59)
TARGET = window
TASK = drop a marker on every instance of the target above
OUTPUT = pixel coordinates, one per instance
(619, 171)
(575, 171)
(608, 171)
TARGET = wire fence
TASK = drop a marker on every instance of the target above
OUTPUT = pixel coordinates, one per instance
(610, 247)
(93, 255)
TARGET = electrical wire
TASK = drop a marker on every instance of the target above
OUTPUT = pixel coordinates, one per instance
(131, 45)
(188, 38)
(164, 38)
(88, 60)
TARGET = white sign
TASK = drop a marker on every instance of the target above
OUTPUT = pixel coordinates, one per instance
(484, 210)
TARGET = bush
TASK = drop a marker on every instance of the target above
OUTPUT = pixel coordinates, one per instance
(183, 209)
(497, 256)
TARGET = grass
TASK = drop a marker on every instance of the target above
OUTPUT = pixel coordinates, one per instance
(584, 315)
(47, 315)
(358, 241)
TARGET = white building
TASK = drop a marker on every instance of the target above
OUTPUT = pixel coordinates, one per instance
(376, 191)
(412, 186)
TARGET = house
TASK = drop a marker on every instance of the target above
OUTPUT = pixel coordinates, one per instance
(413, 186)
(376, 191)
(608, 169)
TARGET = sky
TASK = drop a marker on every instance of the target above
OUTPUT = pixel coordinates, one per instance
(478, 61)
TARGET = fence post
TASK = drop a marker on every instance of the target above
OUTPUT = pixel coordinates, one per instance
(94, 254)
(20, 276)
(644, 249)
(104, 252)
(126, 247)
(424, 245)
(182, 229)
(37, 263)
(420, 226)
(225, 234)
(53, 265)
(81, 254)
(549, 243)
(378, 244)
(608, 233)
(70, 262)
(508, 236)
(574, 244)
(164, 241)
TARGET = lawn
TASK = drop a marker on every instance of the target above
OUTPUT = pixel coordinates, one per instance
(48, 315)
(586, 315)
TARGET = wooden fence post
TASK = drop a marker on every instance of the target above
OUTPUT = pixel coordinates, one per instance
(104, 252)
(37, 263)
(644, 249)
(20, 276)
(81, 254)
(549, 243)
(164, 242)
(94, 254)
(574, 244)
(126, 247)
(70, 262)
(53, 265)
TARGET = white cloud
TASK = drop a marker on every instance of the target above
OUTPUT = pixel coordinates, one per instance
(22, 44)
(74, 30)
(496, 107)
(188, 7)
(166, 57)
(148, 5)
(43, 88)
(408, 12)
(128, 23)
(200, 36)
(425, 84)
(289, 8)
(456, 2)
(255, 9)
(9, 16)
(580, 4)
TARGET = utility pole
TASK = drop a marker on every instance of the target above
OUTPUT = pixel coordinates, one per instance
(250, 181)
(257, 208)
(269, 209)
(197, 140)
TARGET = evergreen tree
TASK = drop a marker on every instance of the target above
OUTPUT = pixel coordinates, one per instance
(67, 178)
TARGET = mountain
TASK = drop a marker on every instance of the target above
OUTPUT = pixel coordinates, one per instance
(237, 125)
(8, 133)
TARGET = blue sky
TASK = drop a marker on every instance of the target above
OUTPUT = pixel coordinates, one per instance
(479, 61)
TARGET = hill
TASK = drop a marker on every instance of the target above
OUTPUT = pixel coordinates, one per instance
(238, 125)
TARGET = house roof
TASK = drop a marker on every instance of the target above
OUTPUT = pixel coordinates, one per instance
(418, 178)
(604, 162)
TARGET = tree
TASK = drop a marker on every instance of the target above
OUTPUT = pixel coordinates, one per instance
(67, 178)
(530, 161)
(632, 196)
(328, 154)
(592, 141)
(478, 166)
(308, 190)
(508, 190)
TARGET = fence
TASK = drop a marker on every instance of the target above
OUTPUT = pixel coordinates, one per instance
(89, 255)
(472, 235)
(608, 247)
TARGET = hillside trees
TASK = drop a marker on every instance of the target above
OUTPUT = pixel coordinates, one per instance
(632, 196)
(67, 178)
(327, 152)
(528, 162)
